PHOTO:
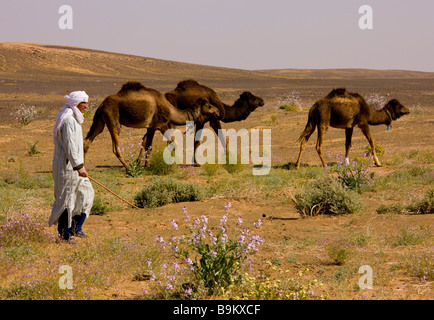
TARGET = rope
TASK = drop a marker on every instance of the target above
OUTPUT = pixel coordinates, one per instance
(112, 192)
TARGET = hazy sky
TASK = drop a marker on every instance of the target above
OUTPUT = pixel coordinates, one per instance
(246, 34)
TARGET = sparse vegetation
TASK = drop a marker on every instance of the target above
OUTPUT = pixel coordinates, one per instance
(33, 150)
(327, 196)
(291, 102)
(162, 191)
(424, 205)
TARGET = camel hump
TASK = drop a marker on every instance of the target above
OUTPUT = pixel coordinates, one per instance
(187, 84)
(339, 92)
(131, 86)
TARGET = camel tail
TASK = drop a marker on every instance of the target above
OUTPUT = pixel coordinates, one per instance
(310, 125)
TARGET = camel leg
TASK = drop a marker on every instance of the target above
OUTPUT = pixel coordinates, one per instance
(303, 142)
(348, 136)
(143, 146)
(216, 125)
(147, 145)
(199, 127)
(367, 133)
(114, 133)
(321, 132)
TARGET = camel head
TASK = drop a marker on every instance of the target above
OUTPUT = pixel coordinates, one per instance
(202, 107)
(251, 100)
(396, 109)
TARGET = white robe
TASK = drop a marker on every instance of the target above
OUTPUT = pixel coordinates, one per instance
(71, 191)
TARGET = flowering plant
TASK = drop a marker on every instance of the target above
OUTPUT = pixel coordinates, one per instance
(214, 258)
(376, 101)
(25, 115)
(355, 175)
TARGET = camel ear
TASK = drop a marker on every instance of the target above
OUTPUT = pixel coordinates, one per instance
(246, 95)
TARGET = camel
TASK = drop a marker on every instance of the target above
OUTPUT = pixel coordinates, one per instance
(345, 110)
(137, 106)
(188, 90)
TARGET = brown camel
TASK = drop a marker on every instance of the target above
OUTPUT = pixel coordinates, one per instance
(139, 107)
(345, 110)
(189, 90)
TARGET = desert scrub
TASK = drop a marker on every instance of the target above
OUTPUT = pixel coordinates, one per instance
(339, 250)
(23, 180)
(406, 175)
(157, 165)
(33, 290)
(99, 208)
(291, 102)
(211, 169)
(410, 236)
(233, 163)
(33, 150)
(326, 196)
(135, 168)
(213, 255)
(422, 265)
(162, 191)
(379, 150)
(425, 205)
(24, 229)
(265, 287)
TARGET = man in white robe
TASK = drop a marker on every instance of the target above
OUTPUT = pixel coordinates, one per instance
(73, 191)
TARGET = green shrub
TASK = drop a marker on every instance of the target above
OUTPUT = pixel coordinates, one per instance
(422, 206)
(98, 207)
(327, 196)
(294, 107)
(411, 236)
(425, 205)
(233, 168)
(379, 150)
(162, 191)
(157, 165)
(339, 251)
(33, 150)
(211, 169)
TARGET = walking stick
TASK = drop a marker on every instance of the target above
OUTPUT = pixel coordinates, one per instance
(112, 192)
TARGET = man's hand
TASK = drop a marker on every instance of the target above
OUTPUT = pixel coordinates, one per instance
(82, 172)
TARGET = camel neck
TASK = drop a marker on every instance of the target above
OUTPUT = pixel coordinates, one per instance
(180, 117)
(236, 112)
(380, 117)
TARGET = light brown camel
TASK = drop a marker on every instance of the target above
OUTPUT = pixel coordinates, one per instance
(345, 110)
(139, 107)
(189, 90)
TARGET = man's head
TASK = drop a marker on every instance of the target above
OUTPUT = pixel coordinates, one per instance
(77, 99)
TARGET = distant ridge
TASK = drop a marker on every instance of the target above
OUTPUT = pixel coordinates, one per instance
(34, 61)
(29, 60)
(349, 73)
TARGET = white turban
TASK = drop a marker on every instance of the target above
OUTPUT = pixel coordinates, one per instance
(72, 100)
(76, 97)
